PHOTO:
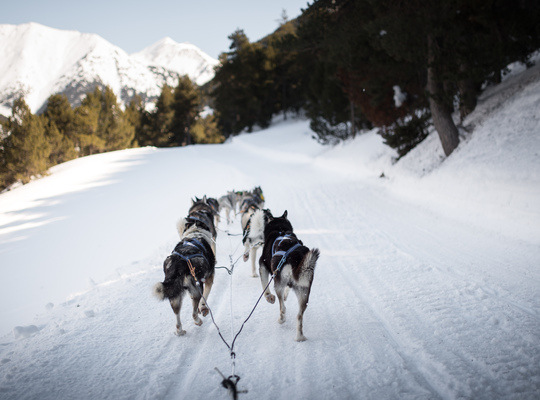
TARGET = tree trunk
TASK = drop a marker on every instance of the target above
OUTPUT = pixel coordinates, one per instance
(467, 93)
(441, 112)
(353, 126)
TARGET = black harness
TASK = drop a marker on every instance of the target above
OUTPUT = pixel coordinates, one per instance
(194, 243)
(284, 253)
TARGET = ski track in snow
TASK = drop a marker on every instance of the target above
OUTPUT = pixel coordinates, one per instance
(408, 302)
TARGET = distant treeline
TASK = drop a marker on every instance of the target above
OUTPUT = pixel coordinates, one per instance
(30, 144)
(347, 64)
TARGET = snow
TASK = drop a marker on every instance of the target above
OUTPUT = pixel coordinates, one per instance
(184, 58)
(37, 61)
(428, 285)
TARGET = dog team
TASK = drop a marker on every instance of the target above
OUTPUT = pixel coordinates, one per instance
(191, 266)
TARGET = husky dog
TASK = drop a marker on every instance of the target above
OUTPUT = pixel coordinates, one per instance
(214, 204)
(190, 266)
(200, 214)
(253, 223)
(252, 198)
(291, 263)
(228, 203)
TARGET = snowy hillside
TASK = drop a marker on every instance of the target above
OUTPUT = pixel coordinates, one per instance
(37, 61)
(428, 285)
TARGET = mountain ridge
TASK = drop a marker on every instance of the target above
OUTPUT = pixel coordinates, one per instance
(37, 61)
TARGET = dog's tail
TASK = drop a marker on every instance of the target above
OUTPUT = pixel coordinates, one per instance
(159, 291)
(181, 226)
(166, 290)
(307, 267)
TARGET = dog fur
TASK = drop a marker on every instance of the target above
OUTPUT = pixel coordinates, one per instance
(201, 214)
(253, 234)
(179, 280)
(297, 271)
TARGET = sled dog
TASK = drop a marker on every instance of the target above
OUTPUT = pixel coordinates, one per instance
(228, 203)
(214, 204)
(252, 198)
(291, 263)
(190, 268)
(200, 214)
(253, 223)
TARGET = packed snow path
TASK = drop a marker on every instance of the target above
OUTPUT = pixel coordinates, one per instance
(405, 304)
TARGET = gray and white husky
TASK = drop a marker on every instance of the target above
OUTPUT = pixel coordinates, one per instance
(291, 263)
(228, 203)
(253, 223)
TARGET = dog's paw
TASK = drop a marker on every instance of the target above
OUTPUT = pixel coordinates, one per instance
(197, 321)
(203, 310)
(179, 332)
(254, 275)
(281, 319)
(270, 298)
(300, 338)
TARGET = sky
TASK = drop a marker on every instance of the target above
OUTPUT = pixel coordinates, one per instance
(134, 25)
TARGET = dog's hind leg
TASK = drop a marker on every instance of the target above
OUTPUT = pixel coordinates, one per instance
(176, 305)
(286, 293)
(264, 282)
(302, 293)
(195, 301)
(203, 307)
(253, 252)
(280, 290)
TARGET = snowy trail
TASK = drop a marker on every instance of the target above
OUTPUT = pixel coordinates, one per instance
(407, 302)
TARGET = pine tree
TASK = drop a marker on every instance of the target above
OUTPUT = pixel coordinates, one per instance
(87, 117)
(186, 106)
(206, 131)
(134, 114)
(161, 120)
(60, 128)
(113, 126)
(26, 148)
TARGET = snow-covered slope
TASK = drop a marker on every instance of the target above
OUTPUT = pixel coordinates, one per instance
(37, 61)
(428, 285)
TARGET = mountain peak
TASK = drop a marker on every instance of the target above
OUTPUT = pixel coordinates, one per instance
(37, 61)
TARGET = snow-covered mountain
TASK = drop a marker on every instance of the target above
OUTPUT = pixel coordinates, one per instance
(37, 61)
(184, 58)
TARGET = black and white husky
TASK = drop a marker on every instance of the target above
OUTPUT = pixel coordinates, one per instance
(253, 223)
(291, 263)
(190, 268)
(202, 215)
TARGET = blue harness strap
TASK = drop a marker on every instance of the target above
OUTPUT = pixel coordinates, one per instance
(283, 253)
(194, 243)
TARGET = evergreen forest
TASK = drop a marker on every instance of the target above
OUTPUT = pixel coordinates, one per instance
(347, 65)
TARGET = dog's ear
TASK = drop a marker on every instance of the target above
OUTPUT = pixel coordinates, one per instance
(268, 215)
(204, 198)
(284, 215)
